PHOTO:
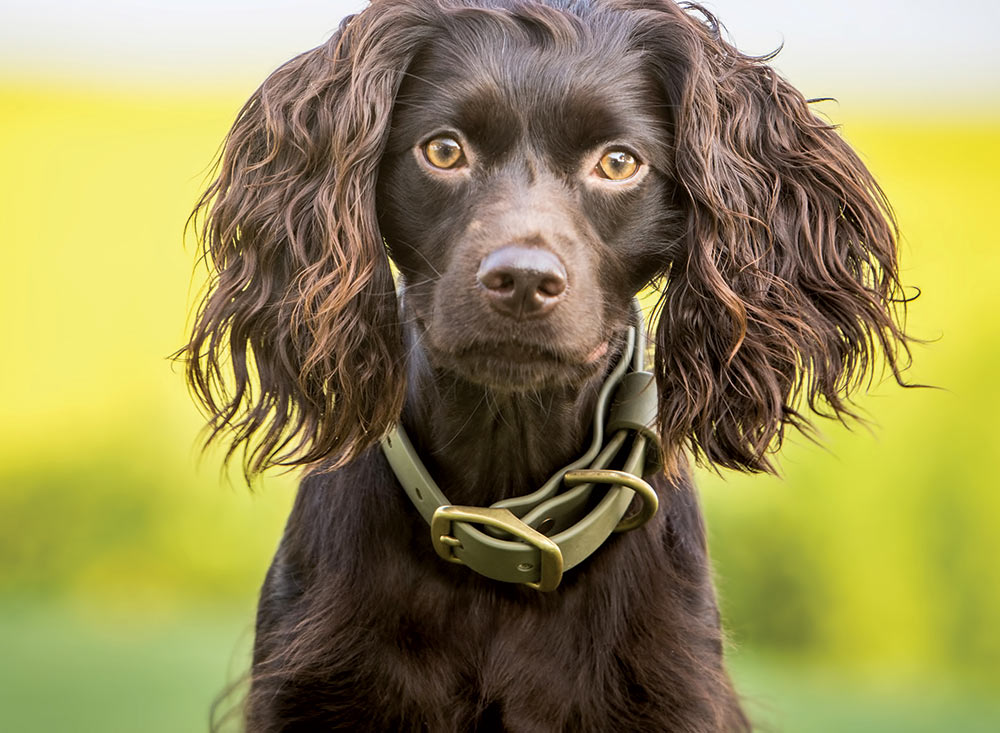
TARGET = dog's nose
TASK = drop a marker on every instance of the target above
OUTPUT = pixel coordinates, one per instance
(522, 282)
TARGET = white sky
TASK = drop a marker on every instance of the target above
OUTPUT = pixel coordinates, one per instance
(888, 49)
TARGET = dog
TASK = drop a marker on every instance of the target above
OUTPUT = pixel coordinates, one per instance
(528, 167)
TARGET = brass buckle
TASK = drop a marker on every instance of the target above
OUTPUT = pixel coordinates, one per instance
(551, 559)
(619, 478)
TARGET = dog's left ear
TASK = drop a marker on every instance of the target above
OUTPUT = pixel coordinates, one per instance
(785, 293)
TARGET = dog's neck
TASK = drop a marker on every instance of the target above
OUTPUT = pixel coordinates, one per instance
(482, 445)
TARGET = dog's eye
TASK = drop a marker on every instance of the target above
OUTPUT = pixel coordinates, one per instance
(617, 165)
(443, 152)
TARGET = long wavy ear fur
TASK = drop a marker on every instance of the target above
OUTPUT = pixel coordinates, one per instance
(296, 349)
(786, 293)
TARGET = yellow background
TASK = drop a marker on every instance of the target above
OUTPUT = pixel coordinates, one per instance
(862, 590)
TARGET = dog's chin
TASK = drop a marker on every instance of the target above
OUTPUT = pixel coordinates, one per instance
(513, 367)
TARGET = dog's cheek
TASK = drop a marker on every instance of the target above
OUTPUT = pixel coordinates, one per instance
(655, 239)
(414, 221)
(639, 232)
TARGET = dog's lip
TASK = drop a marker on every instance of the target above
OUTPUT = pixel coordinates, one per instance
(600, 350)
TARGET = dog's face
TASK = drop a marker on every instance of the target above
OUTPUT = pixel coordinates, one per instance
(525, 197)
(530, 165)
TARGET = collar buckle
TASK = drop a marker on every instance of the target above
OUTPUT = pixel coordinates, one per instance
(550, 559)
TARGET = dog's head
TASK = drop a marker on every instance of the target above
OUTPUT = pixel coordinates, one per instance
(523, 192)
(530, 166)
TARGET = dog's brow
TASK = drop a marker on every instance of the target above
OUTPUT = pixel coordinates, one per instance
(584, 120)
(490, 122)
(564, 115)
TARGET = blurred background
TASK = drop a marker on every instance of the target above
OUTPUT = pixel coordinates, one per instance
(861, 589)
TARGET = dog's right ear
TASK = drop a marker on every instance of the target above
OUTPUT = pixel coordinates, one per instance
(296, 350)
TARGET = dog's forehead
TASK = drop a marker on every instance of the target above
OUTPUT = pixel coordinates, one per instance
(496, 86)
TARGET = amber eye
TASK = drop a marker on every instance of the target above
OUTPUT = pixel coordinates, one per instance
(617, 165)
(443, 152)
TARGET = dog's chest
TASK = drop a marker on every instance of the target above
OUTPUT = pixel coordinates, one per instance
(490, 661)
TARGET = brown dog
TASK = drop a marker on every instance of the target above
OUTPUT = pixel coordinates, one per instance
(528, 167)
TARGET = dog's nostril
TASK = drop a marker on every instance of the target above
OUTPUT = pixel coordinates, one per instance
(552, 286)
(496, 280)
(522, 281)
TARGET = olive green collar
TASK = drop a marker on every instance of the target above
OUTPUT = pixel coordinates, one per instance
(533, 539)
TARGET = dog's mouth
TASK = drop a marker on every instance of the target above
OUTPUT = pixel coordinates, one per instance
(515, 366)
(521, 353)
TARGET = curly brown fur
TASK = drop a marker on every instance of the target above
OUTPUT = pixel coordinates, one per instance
(776, 254)
(786, 291)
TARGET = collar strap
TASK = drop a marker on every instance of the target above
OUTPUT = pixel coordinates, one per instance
(532, 539)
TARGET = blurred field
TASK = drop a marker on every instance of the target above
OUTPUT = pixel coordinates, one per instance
(71, 668)
(862, 590)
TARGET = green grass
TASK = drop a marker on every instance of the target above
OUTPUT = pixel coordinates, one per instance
(74, 669)
(797, 697)
(77, 668)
